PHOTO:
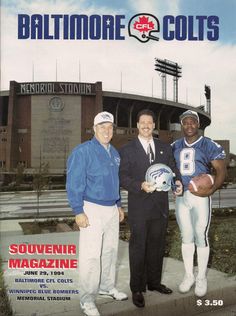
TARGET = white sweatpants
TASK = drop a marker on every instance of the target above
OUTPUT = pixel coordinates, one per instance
(98, 246)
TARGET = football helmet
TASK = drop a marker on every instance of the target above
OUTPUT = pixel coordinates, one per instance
(161, 176)
(143, 27)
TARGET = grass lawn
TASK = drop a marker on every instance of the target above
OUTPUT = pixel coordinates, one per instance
(221, 238)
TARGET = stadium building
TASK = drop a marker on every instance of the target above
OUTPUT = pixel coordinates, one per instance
(43, 121)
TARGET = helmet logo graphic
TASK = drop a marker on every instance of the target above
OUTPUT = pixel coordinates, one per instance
(161, 176)
(142, 26)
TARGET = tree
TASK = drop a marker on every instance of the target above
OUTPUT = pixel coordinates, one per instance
(19, 175)
(40, 181)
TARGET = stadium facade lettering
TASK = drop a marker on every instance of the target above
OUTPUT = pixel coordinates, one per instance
(28, 88)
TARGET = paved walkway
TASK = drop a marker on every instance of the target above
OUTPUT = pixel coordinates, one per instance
(48, 295)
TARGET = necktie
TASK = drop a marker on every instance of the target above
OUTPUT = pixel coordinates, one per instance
(150, 153)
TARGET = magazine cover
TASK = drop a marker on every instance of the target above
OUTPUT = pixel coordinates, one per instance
(63, 62)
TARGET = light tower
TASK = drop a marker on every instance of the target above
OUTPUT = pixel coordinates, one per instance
(208, 98)
(167, 67)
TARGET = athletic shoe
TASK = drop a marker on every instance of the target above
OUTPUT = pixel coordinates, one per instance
(115, 294)
(89, 309)
(201, 287)
(187, 283)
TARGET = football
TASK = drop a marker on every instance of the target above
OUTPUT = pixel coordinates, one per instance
(201, 183)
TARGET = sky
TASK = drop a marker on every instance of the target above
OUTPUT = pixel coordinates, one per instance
(128, 65)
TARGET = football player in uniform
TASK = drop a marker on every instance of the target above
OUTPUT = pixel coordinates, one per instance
(195, 154)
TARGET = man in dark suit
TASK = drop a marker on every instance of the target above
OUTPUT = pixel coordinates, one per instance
(147, 209)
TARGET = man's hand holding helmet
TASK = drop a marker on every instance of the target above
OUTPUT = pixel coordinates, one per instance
(147, 187)
(178, 188)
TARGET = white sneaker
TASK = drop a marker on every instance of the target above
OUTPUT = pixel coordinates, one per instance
(115, 294)
(187, 283)
(89, 309)
(201, 287)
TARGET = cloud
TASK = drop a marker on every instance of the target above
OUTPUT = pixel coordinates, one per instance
(158, 8)
(210, 63)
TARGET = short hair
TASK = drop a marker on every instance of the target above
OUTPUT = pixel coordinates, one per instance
(146, 112)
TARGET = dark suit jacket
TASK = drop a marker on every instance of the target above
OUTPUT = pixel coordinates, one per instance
(133, 167)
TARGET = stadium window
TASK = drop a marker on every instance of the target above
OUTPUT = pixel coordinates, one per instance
(133, 131)
(88, 131)
(120, 131)
(2, 163)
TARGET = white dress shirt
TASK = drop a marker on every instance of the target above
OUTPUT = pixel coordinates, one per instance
(145, 143)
